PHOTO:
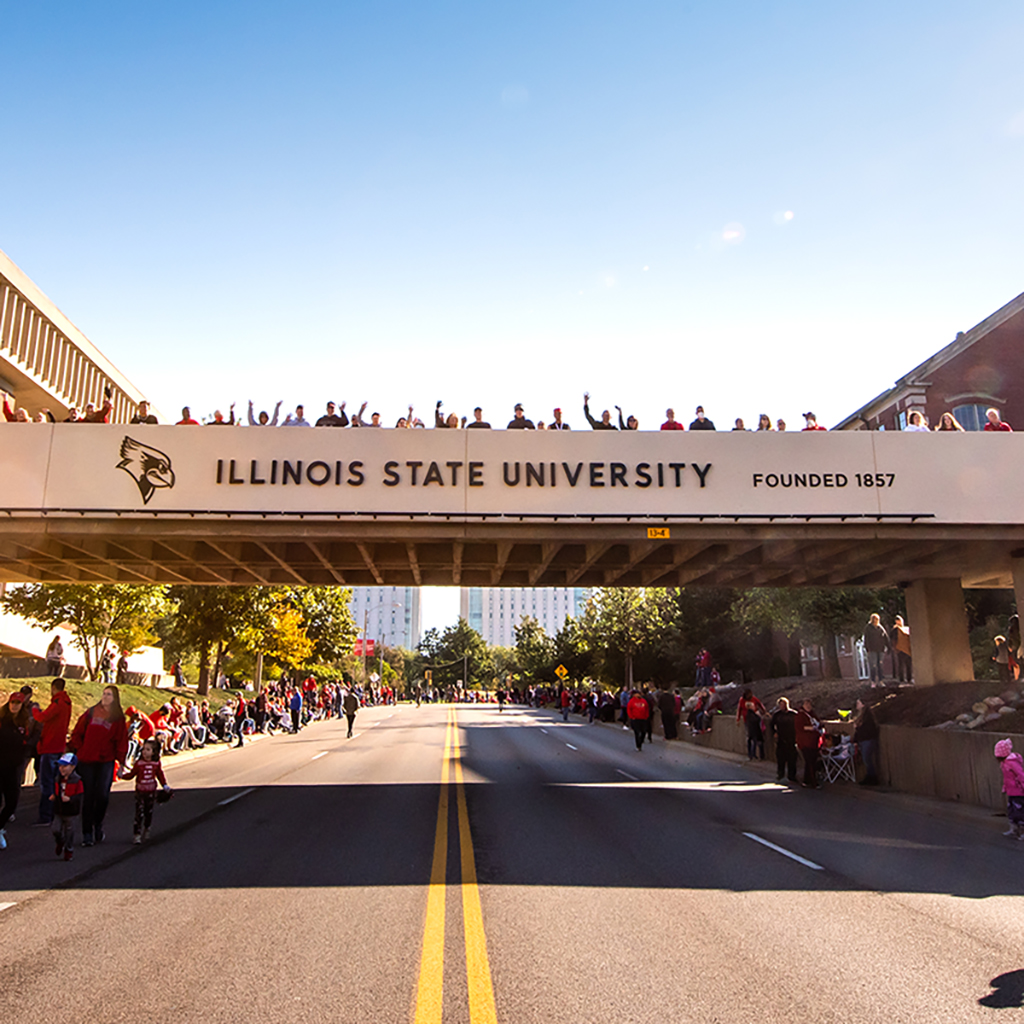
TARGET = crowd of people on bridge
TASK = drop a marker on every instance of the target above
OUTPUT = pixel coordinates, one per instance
(335, 415)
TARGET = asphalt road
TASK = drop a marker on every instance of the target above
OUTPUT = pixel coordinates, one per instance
(461, 866)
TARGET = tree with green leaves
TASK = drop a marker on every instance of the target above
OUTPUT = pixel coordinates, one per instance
(207, 620)
(327, 619)
(101, 614)
(621, 621)
(448, 652)
(535, 650)
(817, 614)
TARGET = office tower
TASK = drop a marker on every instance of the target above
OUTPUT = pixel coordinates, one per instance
(494, 612)
(391, 614)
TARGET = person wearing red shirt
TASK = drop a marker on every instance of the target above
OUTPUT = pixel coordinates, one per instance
(811, 422)
(751, 712)
(808, 739)
(142, 723)
(638, 711)
(146, 772)
(100, 738)
(671, 423)
(565, 702)
(53, 740)
(996, 422)
(186, 420)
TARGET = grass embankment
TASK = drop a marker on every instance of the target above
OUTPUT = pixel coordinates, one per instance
(84, 693)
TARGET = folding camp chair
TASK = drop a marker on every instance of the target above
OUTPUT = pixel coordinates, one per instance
(838, 762)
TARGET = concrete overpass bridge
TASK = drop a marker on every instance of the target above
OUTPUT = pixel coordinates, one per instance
(96, 503)
(46, 361)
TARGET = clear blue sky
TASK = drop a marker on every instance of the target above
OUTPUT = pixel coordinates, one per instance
(491, 203)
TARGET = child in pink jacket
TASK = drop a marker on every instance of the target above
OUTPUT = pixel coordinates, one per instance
(1013, 786)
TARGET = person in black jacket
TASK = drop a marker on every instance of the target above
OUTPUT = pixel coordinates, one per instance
(865, 735)
(701, 422)
(606, 416)
(784, 731)
(876, 643)
(519, 421)
(14, 722)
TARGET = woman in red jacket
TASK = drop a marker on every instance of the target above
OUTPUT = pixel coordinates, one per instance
(638, 711)
(100, 738)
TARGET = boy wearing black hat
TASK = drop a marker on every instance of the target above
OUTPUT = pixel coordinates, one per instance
(67, 804)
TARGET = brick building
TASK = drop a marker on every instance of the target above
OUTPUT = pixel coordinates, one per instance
(980, 369)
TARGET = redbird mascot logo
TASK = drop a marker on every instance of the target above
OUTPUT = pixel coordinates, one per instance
(149, 467)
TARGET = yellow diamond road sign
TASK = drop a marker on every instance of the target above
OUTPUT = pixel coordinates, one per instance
(561, 671)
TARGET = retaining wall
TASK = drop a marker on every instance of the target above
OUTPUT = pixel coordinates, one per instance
(934, 763)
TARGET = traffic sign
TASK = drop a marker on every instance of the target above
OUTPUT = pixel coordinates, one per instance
(658, 533)
(561, 671)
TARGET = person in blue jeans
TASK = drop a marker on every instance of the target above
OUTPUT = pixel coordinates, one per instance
(53, 721)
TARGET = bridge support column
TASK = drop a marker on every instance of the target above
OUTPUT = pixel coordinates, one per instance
(1018, 584)
(938, 631)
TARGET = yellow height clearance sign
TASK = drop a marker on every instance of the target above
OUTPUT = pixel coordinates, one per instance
(430, 990)
(658, 533)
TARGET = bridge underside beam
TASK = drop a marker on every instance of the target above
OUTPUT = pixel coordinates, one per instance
(247, 552)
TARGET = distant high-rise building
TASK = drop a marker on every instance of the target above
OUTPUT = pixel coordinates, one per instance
(391, 615)
(494, 612)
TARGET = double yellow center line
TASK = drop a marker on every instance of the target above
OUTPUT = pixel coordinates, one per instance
(430, 991)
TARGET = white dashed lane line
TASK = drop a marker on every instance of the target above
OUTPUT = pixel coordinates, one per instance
(785, 853)
(7, 906)
(544, 731)
(316, 757)
(571, 747)
(237, 796)
(632, 778)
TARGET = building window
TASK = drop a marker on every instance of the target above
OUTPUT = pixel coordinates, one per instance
(971, 417)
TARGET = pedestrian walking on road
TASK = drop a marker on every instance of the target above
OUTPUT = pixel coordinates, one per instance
(146, 772)
(638, 711)
(100, 738)
(566, 704)
(66, 804)
(15, 719)
(1013, 786)
(784, 730)
(295, 707)
(53, 740)
(350, 705)
(241, 714)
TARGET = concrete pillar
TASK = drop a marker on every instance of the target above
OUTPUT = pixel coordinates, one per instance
(938, 632)
(1018, 583)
